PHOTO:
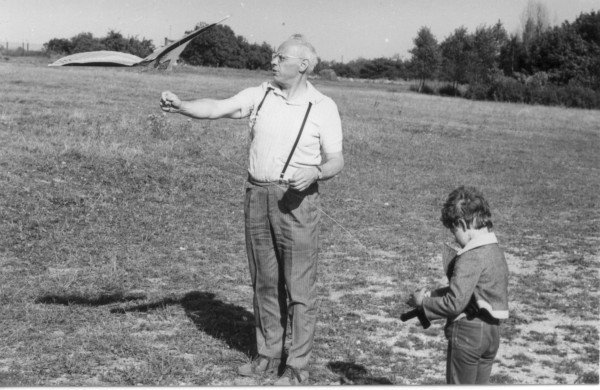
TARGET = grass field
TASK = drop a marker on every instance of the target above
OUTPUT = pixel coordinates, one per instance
(122, 257)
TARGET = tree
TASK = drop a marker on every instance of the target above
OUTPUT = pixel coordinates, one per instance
(426, 56)
(259, 56)
(140, 48)
(534, 21)
(58, 46)
(85, 42)
(456, 52)
(565, 55)
(218, 47)
(512, 56)
(114, 41)
(487, 47)
(588, 28)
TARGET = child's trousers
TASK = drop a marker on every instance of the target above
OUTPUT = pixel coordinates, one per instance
(472, 347)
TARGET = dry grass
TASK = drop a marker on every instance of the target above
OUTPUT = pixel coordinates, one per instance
(122, 256)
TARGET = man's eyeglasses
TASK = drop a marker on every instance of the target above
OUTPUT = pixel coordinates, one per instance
(282, 57)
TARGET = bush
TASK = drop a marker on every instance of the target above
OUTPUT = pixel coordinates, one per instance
(328, 74)
(577, 96)
(507, 89)
(477, 92)
(426, 89)
(449, 90)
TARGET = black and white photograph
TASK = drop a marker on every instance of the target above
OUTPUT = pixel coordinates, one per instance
(255, 193)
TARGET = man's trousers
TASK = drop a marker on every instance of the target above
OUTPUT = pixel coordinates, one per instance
(282, 245)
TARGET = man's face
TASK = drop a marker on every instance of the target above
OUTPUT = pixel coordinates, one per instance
(287, 63)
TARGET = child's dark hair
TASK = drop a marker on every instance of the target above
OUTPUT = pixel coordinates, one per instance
(468, 204)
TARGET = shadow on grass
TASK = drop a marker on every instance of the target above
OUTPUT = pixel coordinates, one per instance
(355, 374)
(103, 299)
(224, 321)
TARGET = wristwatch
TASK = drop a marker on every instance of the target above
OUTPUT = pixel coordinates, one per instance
(320, 174)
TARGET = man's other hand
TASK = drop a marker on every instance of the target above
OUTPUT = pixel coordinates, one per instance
(303, 178)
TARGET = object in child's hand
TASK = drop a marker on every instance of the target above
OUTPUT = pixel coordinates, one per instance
(416, 313)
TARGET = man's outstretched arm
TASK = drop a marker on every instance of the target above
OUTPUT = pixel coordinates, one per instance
(201, 108)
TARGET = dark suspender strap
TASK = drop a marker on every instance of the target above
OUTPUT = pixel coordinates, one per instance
(263, 100)
(296, 143)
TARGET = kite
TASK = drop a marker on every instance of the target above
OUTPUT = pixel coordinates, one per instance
(163, 58)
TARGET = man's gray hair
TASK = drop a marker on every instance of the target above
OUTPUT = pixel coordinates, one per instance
(308, 50)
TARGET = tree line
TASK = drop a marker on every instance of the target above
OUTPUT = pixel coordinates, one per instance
(113, 41)
(216, 47)
(543, 64)
(557, 65)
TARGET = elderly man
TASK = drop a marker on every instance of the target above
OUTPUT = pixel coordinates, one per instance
(296, 140)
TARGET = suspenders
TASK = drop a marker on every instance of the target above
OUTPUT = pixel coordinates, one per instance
(297, 138)
(263, 100)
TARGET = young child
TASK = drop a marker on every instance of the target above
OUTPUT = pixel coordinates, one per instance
(476, 299)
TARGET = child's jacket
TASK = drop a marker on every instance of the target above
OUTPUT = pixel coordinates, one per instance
(478, 278)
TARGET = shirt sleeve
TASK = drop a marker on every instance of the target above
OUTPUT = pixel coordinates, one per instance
(331, 127)
(458, 294)
(248, 98)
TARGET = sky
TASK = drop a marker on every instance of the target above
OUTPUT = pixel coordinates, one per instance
(340, 30)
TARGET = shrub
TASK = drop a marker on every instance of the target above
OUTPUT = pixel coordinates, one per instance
(577, 96)
(508, 89)
(449, 90)
(426, 89)
(328, 74)
(477, 92)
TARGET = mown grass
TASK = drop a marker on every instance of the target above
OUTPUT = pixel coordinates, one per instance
(121, 230)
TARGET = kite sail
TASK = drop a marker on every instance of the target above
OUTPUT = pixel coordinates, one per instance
(163, 58)
(98, 58)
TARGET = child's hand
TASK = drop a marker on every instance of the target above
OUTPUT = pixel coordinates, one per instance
(416, 298)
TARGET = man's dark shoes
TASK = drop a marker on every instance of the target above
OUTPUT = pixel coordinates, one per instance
(292, 376)
(260, 366)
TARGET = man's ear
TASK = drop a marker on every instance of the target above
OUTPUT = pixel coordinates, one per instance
(304, 66)
(462, 224)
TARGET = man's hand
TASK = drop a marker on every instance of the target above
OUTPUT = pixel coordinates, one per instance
(169, 102)
(416, 298)
(303, 178)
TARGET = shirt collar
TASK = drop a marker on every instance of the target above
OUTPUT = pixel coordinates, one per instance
(484, 239)
(310, 95)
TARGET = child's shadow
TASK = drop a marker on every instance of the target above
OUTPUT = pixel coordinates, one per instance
(224, 321)
(355, 374)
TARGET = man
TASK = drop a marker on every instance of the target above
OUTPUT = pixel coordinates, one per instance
(296, 140)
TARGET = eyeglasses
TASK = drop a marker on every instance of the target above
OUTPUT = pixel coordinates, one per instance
(282, 57)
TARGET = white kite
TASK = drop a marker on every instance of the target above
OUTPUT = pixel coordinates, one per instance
(162, 58)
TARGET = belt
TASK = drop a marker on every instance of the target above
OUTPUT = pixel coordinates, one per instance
(279, 183)
(259, 183)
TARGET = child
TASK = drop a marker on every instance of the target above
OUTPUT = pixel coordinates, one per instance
(476, 299)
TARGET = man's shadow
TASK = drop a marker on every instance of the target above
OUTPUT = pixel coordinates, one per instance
(224, 321)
